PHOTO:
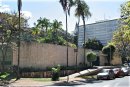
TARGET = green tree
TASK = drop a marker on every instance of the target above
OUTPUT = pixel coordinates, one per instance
(56, 26)
(76, 34)
(93, 44)
(43, 23)
(121, 39)
(91, 57)
(109, 51)
(125, 9)
(66, 5)
(9, 31)
(82, 10)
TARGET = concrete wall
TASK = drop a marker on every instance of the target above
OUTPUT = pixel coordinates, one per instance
(43, 55)
(38, 55)
(116, 59)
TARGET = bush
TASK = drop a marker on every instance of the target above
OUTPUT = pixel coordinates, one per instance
(91, 56)
(56, 73)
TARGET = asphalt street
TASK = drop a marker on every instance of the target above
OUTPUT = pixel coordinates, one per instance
(118, 82)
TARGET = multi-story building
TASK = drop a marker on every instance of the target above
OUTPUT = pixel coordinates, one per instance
(101, 30)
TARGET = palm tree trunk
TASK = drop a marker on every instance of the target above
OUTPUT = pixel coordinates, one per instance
(78, 31)
(67, 44)
(77, 45)
(46, 31)
(19, 43)
(84, 38)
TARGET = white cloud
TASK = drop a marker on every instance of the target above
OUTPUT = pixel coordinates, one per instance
(5, 8)
(26, 14)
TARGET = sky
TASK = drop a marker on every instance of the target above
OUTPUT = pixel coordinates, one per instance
(51, 9)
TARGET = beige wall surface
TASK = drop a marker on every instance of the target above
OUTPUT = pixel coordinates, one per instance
(46, 55)
(38, 55)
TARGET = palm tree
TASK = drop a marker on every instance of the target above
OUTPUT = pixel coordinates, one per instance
(82, 10)
(19, 10)
(67, 4)
(43, 23)
(56, 26)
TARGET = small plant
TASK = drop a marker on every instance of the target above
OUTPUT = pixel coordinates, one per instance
(91, 56)
(56, 73)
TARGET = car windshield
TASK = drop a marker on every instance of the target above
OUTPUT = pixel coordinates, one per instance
(104, 71)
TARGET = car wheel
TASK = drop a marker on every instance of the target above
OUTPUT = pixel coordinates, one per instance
(98, 78)
(108, 77)
(113, 77)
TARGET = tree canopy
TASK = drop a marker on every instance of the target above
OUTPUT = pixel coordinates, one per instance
(109, 51)
(91, 57)
(121, 37)
(93, 44)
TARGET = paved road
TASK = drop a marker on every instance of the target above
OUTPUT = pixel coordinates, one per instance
(118, 82)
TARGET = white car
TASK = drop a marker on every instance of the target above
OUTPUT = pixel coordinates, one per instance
(126, 70)
(106, 74)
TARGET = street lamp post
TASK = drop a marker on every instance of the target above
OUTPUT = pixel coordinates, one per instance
(19, 10)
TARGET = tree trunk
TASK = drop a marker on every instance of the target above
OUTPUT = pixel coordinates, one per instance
(67, 44)
(46, 30)
(19, 43)
(77, 44)
(84, 38)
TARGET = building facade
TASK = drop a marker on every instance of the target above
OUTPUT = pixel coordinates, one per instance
(101, 30)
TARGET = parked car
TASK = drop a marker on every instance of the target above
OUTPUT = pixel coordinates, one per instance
(129, 64)
(118, 72)
(106, 74)
(126, 70)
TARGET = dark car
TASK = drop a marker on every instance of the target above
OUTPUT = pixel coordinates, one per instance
(106, 74)
(118, 72)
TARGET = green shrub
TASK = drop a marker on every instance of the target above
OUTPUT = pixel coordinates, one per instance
(56, 73)
(91, 56)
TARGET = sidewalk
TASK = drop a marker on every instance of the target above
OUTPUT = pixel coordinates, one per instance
(73, 77)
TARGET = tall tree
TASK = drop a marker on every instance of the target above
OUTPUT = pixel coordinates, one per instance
(56, 26)
(82, 10)
(43, 23)
(121, 39)
(10, 30)
(67, 4)
(125, 9)
(19, 17)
